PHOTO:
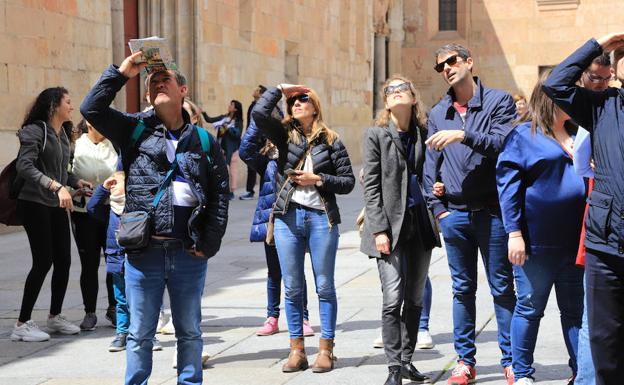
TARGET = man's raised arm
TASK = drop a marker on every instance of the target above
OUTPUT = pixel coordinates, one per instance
(113, 124)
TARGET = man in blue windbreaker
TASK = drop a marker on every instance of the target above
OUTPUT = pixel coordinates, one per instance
(602, 114)
(467, 129)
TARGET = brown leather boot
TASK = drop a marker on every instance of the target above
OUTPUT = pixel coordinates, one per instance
(325, 358)
(297, 359)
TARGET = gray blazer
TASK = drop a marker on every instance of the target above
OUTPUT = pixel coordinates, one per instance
(385, 187)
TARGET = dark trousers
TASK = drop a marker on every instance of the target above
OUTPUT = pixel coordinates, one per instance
(274, 284)
(251, 179)
(47, 229)
(604, 274)
(90, 236)
(403, 275)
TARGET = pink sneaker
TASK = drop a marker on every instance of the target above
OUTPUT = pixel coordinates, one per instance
(269, 327)
(307, 329)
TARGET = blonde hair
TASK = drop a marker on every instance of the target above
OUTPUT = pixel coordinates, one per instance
(119, 175)
(518, 97)
(418, 109)
(542, 109)
(320, 131)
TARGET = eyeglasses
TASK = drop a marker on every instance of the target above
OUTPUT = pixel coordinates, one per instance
(597, 79)
(403, 87)
(302, 98)
(451, 60)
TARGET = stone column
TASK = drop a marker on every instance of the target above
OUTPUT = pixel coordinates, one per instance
(117, 26)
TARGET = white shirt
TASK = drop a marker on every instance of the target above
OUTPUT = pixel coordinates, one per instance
(182, 193)
(93, 162)
(308, 195)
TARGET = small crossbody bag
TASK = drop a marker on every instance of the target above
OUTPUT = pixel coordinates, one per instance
(135, 228)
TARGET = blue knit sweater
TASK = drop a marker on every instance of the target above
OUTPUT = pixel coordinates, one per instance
(539, 192)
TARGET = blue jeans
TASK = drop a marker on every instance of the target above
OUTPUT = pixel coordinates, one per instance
(586, 375)
(302, 229)
(164, 263)
(123, 315)
(465, 233)
(426, 306)
(274, 284)
(534, 280)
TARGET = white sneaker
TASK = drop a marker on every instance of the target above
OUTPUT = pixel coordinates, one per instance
(60, 324)
(424, 340)
(162, 320)
(204, 358)
(168, 327)
(378, 342)
(29, 332)
(524, 381)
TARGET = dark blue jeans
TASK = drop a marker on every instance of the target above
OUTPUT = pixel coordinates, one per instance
(534, 280)
(605, 306)
(426, 306)
(164, 264)
(466, 233)
(274, 284)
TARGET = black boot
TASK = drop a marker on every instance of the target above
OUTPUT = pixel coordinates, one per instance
(411, 373)
(394, 376)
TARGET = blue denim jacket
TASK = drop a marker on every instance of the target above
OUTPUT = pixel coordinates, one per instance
(467, 169)
(602, 114)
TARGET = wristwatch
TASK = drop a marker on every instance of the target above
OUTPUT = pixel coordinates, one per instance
(319, 183)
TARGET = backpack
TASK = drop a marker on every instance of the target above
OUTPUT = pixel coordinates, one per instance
(203, 137)
(10, 187)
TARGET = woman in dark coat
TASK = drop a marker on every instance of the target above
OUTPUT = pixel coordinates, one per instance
(397, 227)
(313, 166)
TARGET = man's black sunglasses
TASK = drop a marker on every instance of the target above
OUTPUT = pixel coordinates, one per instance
(451, 60)
(303, 98)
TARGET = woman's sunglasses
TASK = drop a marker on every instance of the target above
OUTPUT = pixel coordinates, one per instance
(302, 98)
(403, 87)
(451, 60)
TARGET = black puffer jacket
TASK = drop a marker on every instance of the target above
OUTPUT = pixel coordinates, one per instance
(146, 164)
(331, 163)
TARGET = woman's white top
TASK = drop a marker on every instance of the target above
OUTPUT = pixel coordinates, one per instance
(308, 195)
(93, 162)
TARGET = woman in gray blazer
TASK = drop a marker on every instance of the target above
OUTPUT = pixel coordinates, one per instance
(397, 227)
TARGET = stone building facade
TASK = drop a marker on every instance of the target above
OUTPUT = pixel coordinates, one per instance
(511, 41)
(225, 47)
(342, 48)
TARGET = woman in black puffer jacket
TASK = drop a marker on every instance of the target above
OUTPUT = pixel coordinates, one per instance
(313, 166)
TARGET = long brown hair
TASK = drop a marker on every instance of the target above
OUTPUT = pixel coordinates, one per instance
(542, 109)
(320, 131)
(419, 117)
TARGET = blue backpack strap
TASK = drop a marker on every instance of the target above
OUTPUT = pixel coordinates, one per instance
(205, 142)
(136, 134)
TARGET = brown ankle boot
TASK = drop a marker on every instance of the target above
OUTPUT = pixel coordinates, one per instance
(297, 359)
(325, 358)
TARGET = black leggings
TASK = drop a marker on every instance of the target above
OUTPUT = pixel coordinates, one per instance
(48, 234)
(90, 236)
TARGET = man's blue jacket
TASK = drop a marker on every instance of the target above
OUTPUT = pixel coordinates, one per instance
(602, 114)
(145, 163)
(468, 169)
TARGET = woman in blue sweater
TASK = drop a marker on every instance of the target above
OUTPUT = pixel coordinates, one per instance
(542, 200)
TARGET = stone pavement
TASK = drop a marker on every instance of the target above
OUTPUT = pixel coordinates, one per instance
(234, 306)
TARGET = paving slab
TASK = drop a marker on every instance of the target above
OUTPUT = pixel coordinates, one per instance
(234, 306)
